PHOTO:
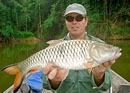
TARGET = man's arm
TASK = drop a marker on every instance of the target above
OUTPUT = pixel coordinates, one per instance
(99, 71)
(55, 75)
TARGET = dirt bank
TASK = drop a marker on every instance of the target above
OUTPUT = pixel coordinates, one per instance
(24, 40)
(114, 37)
(120, 37)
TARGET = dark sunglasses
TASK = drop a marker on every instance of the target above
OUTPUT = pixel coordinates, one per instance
(78, 18)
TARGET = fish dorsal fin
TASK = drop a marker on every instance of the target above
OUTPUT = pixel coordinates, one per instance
(54, 42)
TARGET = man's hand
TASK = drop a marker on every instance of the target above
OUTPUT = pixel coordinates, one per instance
(100, 70)
(55, 74)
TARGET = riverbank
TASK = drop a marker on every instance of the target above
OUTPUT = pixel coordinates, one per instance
(101, 36)
(30, 39)
(21, 40)
(114, 37)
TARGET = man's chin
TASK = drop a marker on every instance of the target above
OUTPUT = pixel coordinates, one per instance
(75, 32)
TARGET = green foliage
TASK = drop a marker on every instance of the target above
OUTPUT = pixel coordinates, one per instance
(117, 30)
(19, 34)
(46, 16)
(7, 29)
(127, 30)
(121, 30)
(47, 23)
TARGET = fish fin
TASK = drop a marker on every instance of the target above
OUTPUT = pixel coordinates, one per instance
(54, 42)
(89, 70)
(33, 70)
(89, 66)
(13, 69)
(10, 69)
(18, 81)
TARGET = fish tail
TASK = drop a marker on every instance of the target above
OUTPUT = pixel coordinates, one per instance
(13, 69)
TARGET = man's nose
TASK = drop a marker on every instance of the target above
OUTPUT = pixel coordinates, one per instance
(74, 21)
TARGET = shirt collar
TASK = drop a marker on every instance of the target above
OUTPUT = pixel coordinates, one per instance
(68, 36)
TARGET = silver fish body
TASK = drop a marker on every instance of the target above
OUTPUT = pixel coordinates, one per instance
(71, 54)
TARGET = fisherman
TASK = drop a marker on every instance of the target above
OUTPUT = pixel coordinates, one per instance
(58, 80)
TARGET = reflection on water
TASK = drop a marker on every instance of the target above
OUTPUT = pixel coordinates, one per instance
(13, 53)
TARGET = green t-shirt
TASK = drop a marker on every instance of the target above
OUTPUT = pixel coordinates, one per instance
(80, 81)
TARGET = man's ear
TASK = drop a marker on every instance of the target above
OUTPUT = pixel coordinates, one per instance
(86, 21)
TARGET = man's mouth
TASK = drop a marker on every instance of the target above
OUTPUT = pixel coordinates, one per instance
(75, 27)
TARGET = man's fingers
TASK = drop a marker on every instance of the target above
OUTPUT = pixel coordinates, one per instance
(63, 74)
(52, 74)
(47, 69)
(111, 62)
(106, 64)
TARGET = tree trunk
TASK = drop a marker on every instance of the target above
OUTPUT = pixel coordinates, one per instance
(40, 23)
(105, 9)
(26, 24)
(17, 23)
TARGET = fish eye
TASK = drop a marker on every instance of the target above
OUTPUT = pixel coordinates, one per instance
(109, 46)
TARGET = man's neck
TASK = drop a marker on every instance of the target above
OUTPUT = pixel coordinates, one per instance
(82, 36)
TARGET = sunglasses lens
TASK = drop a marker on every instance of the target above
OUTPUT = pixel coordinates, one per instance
(69, 18)
(79, 18)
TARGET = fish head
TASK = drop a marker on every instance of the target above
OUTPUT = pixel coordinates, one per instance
(102, 52)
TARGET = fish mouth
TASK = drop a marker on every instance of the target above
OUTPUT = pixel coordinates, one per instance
(118, 51)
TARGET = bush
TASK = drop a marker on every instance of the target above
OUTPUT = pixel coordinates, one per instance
(121, 30)
(19, 34)
(117, 30)
(6, 32)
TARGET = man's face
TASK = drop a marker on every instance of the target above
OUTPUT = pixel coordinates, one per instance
(76, 28)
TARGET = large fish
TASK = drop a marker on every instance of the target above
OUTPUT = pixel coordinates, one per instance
(66, 54)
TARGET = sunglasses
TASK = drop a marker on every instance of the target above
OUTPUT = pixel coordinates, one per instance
(78, 18)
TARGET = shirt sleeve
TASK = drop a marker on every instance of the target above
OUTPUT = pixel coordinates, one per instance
(47, 85)
(106, 83)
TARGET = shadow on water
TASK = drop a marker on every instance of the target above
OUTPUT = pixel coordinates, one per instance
(13, 53)
(122, 65)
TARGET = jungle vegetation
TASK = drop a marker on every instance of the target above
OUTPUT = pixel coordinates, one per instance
(44, 18)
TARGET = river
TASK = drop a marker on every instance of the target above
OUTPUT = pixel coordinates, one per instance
(13, 53)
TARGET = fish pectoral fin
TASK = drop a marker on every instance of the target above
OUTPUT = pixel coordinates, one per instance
(14, 70)
(89, 65)
(34, 70)
(89, 70)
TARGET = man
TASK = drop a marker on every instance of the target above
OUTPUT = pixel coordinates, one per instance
(80, 81)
